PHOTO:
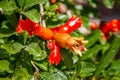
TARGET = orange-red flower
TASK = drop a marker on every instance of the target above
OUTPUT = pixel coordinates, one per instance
(75, 44)
(44, 33)
(26, 25)
(60, 36)
(111, 26)
(34, 29)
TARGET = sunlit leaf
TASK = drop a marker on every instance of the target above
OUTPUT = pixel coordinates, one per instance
(43, 66)
(31, 3)
(85, 69)
(21, 74)
(53, 76)
(35, 50)
(12, 48)
(33, 15)
(4, 66)
(8, 7)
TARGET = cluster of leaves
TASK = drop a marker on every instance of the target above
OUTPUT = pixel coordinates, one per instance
(19, 52)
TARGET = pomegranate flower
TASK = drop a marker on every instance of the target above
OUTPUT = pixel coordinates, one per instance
(64, 40)
(34, 29)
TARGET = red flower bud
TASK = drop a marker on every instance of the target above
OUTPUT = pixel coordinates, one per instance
(93, 25)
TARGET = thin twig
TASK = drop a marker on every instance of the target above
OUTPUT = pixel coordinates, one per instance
(36, 73)
(42, 20)
(12, 77)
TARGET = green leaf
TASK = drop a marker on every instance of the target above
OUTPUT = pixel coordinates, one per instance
(85, 69)
(8, 7)
(4, 66)
(53, 7)
(43, 66)
(31, 3)
(115, 66)
(23, 37)
(21, 3)
(67, 58)
(5, 79)
(109, 3)
(3, 54)
(93, 3)
(35, 50)
(108, 58)
(116, 78)
(93, 38)
(85, 22)
(53, 76)
(32, 14)
(12, 20)
(91, 51)
(21, 74)
(6, 32)
(113, 70)
(12, 48)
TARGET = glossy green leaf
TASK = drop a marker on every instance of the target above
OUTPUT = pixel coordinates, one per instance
(31, 3)
(85, 69)
(32, 14)
(53, 7)
(53, 76)
(12, 48)
(43, 66)
(90, 52)
(35, 50)
(109, 3)
(8, 7)
(4, 66)
(5, 32)
(21, 74)
(107, 59)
